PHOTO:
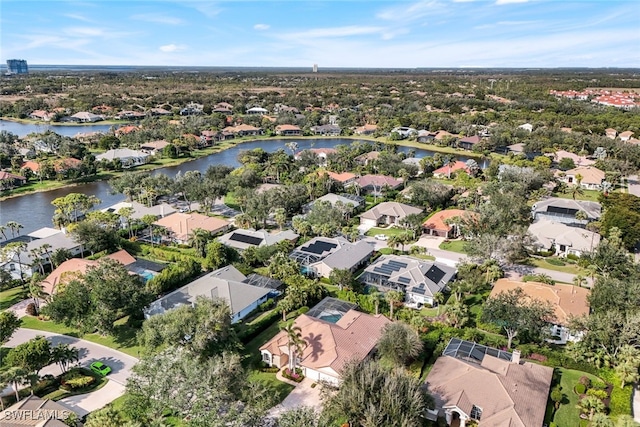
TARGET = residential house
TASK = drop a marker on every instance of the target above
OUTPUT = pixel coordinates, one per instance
(611, 133)
(85, 116)
(443, 136)
(577, 160)
(425, 136)
(288, 130)
(224, 105)
(366, 158)
(366, 129)
(404, 131)
(328, 130)
(387, 213)
(226, 283)
(375, 184)
(321, 255)
(625, 136)
(347, 199)
(419, 279)
(130, 115)
(329, 344)
(242, 239)
(125, 130)
(180, 226)
(566, 210)
(243, 130)
(321, 154)
(450, 169)
(25, 264)
(567, 301)
(9, 180)
(491, 387)
(43, 115)
(345, 178)
(257, 111)
(415, 161)
(154, 147)
(446, 223)
(562, 238)
(191, 109)
(468, 142)
(589, 176)
(128, 157)
(158, 111)
(140, 211)
(34, 411)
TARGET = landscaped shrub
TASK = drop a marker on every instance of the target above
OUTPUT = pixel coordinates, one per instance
(249, 332)
(46, 385)
(620, 399)
(573, 257)
(599, 384)
(585, 380)
(293, 376)
(557, 262)
(600, 394)
(76, 379)
(269, 304)
(580, 388)
(174, 276)
(264, 367)
(537, 357)
(31, 309)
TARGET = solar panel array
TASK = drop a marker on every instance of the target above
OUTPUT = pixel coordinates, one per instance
(562, 211)
(435, 274)
(404, 280)
(319, 247)
(470, 350)
(243, 238)
(390, 267)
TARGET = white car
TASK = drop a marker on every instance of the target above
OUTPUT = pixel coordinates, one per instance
(381, 237)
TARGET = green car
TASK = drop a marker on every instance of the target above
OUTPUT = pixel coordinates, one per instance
(100, 368)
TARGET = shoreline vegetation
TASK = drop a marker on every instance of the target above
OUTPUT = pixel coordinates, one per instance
(39, 187)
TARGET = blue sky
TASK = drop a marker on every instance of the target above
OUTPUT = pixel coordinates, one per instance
(362, 33)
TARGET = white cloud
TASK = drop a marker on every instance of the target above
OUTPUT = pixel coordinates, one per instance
(77, 17)
(501, 2)
(332, 32)
(412, 12)
(158, 19)
(261, 27)
(84, 32)
(172, 47)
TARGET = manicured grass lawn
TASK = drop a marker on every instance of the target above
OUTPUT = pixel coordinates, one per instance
(12, 296)
(568, 414)
(123, 338)
(278, 388)
(591, 195)
(230, 200)
(389, 231)
(454, 246)
(567, 268)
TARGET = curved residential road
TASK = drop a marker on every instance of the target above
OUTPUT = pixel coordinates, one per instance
(119, 362)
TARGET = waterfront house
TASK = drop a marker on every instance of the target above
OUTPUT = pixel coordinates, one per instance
(128, 158)
(9, 180)
(85, 116)
(243, 130)
(375, 184)
(467, 143)
(387, 213)
(154, 147)
(366, 130)
(328, 129)
(179, 226)
(449, 169)
(288, 130)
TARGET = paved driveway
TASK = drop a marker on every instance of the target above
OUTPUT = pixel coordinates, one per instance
(302, 395)
(119, 362)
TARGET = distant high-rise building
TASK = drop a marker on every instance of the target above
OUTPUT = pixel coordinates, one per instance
(17, 66)
(315, 68)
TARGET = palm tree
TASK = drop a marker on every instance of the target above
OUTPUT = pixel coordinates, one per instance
(14, 376)
(576, 190)
(295, 345)
(458, 314)
(438, 298)
(36, 256)
(628, 372)
(591, 405)
(14, 227)
(394, 241)
(199, 239)
(45, 248)
(17, 248)
(374, 298)
(127, 213)
(63, 355)
(36, 291)
(392, 298)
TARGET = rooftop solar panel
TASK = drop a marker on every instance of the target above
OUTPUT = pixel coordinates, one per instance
(404, 280)
(562, 211)
(243, 238)
(319, 247)
(435, 274)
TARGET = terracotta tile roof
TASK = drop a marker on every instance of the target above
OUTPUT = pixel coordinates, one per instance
(65, 272)
(30, 164)
(332, 345)
(437, 221)
(393, 209)
(287, 127)
(7, 175)
(341, 177)
(509, 394)
(182, 224)
(567, 300)
(471, 139)
(379, 181)
(590, 174)
(122, 256)
(155, 145)
(445, 170)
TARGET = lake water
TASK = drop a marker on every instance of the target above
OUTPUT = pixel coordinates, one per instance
(34, 211)
(23, 129)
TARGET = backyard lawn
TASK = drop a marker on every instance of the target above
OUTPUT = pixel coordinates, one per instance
(566, 268)
(12, 296)
(568, 414)
(389, 231)
(454, 246)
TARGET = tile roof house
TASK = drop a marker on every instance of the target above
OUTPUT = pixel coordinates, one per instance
(468, 142)
(344, 178)
(366, 158)
(42, 115)
(332, 198)
(75, 267)
(375, 184)
(565, 210)
(563, 238)
(419, 279)
(33, 411)
(154, 147)
(611, 133)
(567, 301)
(85, 116)
(181, 225)
(591, 177)
(128, 157)
(321, 255)
(257, 110)
(439, 224)
(448, 170)
(288, 130)
(328, 129)
(577, 160)
(491, 391)
(625, 136)
(242, 239)
(387, 213)
(329, 346)
(10, 180)
(226, 283)
(243, 130)
(366, 129)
